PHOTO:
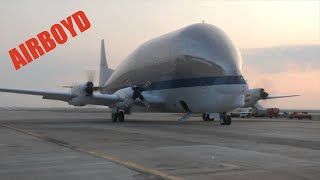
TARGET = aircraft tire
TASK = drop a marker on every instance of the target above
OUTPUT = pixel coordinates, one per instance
(121, 116)
(205, 117)
(114, 117)
(223, 120)
(228, 120)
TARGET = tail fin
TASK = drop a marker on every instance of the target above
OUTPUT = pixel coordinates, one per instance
(105, 72)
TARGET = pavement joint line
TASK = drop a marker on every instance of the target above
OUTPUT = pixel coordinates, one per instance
(125, 163)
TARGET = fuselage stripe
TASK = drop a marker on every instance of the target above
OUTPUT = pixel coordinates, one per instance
(193, 82)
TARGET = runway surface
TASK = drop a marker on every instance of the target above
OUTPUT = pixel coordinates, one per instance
(74, 145)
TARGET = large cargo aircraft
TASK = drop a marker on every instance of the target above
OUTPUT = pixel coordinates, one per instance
(195, 69)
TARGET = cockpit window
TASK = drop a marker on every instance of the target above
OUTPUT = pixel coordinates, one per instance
(190, 66)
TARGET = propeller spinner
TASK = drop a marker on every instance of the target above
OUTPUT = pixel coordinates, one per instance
(263, 94)
(89, 88)
(137, 91)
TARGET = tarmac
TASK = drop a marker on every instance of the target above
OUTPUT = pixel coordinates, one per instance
(87, 145)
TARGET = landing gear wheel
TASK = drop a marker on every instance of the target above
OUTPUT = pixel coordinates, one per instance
(223, 120)
(228, 120)
(121, 116)
(205, 117)
(114, 117)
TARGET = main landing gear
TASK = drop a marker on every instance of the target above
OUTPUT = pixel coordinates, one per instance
(119, 115)
(206, 117)
(225, 119)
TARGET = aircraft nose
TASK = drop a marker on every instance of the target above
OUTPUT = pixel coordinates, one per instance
(204, 42)
(239, 101)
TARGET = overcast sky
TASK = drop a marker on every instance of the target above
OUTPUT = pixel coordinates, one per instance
(279, 40)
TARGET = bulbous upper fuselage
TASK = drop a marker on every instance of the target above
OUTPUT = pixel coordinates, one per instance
(196, 56)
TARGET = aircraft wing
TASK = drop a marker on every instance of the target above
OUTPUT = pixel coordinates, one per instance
(275, 97)
(104, 99)
(56, 95)
(96, 98)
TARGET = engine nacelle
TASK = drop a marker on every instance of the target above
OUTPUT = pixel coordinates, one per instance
(80, 101)
(126, 95)
(254, 95)
(129, 96)
(85, 89)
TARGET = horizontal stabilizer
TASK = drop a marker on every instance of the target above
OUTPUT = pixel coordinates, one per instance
(275, 97)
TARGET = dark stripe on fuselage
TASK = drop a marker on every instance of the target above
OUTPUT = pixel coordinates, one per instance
(193, 82)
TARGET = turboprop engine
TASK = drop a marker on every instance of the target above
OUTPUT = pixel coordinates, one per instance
(130, 95)
(254, 95)
(82, 93)
(85, 89)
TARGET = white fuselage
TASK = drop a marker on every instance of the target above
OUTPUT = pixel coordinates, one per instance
(198, 65)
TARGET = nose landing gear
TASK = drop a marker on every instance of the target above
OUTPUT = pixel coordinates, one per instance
(186, 108)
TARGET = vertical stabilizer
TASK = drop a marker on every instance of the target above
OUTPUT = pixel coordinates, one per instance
(105, 72)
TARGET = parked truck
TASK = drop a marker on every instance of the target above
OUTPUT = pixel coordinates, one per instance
(269, 112)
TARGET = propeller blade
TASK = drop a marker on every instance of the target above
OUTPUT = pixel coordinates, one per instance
(146, 104)
(96, 88)
(137, 91)
(141, 97)
(129, 83)
(91, 74)
(146, 85)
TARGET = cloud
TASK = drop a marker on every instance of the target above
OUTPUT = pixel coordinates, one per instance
(285, 70)
(278, 59)
(292, 80)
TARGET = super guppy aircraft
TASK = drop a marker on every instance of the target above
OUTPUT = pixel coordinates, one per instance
(195, 69)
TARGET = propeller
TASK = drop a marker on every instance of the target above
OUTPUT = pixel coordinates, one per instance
(87, 87)
(91, 75)
(268, 85)
(263, 94)
(137, 91)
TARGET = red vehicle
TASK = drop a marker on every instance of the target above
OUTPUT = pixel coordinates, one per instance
(269, 112)
(273, 112)
(300, 115)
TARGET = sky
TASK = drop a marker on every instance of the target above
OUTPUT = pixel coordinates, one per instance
(279, 42)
